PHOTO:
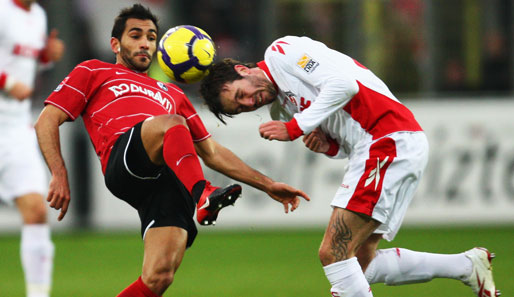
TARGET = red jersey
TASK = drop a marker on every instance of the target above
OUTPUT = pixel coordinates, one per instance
(113, 98)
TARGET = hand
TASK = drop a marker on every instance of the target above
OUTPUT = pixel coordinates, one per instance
(317, 141)
(59, 194)
(287, 195)
(274, 130)
(20, 91)
(54, 48)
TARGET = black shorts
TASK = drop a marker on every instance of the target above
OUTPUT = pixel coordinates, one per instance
(155, 191)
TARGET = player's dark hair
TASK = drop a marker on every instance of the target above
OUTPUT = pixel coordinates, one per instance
(219, 74)
(137, 11)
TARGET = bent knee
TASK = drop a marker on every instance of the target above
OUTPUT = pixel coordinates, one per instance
(158, 280)
(168, 121)
(332, 254)
(32, 209)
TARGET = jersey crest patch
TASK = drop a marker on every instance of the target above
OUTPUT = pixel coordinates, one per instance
(162, 86)
(307, 63)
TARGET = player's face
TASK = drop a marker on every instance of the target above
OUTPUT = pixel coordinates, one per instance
(247, 94)
(138, 44)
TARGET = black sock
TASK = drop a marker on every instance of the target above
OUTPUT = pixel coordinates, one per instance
(197, 190)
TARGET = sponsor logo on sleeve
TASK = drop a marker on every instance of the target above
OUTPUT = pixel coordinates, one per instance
(307, 63)
(59, 87)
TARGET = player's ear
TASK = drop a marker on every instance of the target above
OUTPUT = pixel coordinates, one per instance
(115, 45)
(242, 70)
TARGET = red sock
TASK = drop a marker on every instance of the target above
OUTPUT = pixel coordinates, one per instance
(137, 289)
(180, 155)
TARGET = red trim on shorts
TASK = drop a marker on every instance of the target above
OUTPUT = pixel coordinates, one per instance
(369, 188)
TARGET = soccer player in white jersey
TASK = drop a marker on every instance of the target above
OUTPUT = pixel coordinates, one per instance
(343, 110)
(23, 45)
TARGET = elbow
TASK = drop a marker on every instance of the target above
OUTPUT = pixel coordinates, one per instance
(38, 124)
(210, 162)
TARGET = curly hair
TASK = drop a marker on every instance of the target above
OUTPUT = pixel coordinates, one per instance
(219, 74)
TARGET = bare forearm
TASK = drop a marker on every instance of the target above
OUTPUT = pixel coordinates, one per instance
(230, 165)
(47, 130)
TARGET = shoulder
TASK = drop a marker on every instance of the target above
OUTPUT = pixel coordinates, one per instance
(291, 48)
(173, 88)
(38, 10)
(94, 64)
(289, 42)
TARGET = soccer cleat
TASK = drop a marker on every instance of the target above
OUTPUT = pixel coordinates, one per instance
(481, 278)
(212, 200)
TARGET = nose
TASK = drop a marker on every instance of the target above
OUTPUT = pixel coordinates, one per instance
(145, 44)
(248, 101)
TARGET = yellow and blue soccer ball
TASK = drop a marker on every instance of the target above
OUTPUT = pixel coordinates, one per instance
(185, 53)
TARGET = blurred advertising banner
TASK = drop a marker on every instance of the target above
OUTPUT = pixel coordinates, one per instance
(469, 177)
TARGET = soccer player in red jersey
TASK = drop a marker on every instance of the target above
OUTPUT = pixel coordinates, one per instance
(148, 137)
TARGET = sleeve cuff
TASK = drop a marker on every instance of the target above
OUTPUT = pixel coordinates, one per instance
(293, 129)
(6, 82)
(333, 149)
(44, 58)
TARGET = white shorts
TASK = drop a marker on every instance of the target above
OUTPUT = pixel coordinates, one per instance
(22, 169)
(382, 178)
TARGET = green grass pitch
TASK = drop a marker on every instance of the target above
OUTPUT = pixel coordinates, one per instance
(244, 263)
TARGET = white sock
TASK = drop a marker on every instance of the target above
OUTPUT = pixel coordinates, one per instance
(37, 254)
(347, 279)
(398, 266)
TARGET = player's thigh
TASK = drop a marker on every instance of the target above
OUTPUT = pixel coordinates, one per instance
(22, 170)
(152, 134)
(382, 177)
(345, 233)
(154, 191)
(130, 174)
(32, 208)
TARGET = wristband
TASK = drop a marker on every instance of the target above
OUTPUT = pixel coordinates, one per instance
(334, 147)
(293, 129)
(9, 83)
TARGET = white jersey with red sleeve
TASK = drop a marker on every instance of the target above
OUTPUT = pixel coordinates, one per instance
(320, 87)
(112, 98)
(22, 38)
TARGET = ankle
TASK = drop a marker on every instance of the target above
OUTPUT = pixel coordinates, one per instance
(197, 190)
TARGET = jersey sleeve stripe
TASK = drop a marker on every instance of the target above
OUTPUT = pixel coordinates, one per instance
(76, 90)
(191, 116)
(61, 108)
(203, 138)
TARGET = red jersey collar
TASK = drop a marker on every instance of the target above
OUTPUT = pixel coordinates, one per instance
(121, 66)
(262, 65)
(21, 5)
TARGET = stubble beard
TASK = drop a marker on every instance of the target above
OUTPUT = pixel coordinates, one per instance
(132, 61)
(265, 86)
